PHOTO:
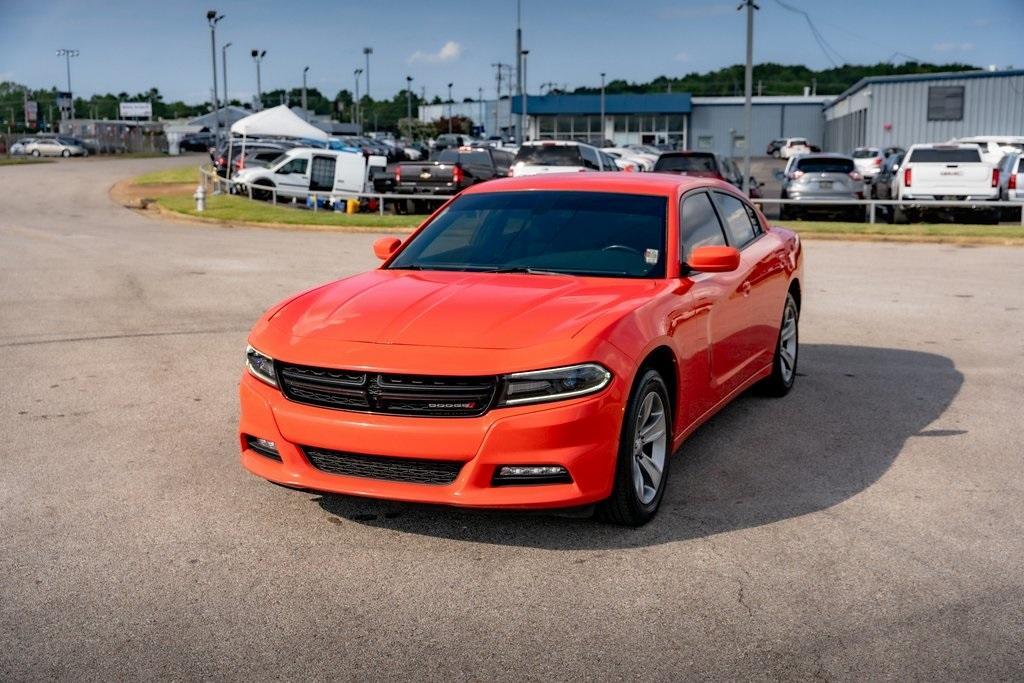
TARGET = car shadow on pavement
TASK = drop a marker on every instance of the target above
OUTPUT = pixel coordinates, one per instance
(759, 461)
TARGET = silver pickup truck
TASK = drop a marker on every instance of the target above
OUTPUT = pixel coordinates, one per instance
(949, 172)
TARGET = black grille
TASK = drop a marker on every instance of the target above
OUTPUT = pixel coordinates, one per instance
(426, 395)
(414, 471)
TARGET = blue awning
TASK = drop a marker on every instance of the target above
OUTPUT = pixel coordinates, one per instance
(660, 103)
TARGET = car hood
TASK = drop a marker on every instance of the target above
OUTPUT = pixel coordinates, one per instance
(458, 309)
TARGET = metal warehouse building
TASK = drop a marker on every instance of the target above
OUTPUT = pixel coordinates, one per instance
(902, 110)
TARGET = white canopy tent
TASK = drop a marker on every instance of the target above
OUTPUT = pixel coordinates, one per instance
(278, 122)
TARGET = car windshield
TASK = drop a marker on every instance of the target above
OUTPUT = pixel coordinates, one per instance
(691, 163)
(825, 165)
(938, 155)
(549, 155)
(865, 153)
(603, 234)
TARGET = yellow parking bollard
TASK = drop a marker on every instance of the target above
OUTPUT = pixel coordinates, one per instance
(352, 206)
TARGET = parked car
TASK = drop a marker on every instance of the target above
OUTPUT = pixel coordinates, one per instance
(196, 142)
(793, 147)
(545, 342)
(222, 164)
(303, 170)
(774, 146)
(450, 172)
(451, 140)
(1011, 178)
(819, 176)
(994, 147)
(868, 161)
(628, 165)
(882, 187)
(560, 156)
(642, 159)
(955, 172)
(645, 149)
(54, 147)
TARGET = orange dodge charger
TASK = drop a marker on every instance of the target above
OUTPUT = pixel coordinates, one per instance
(539, 342)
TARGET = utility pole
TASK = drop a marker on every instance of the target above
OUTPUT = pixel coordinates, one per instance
(67, 55)
(449, 108)
(600, 142)
(257, 56)
(748, 83)
(497, 100)
(368, 51)
(224, 72)
(519, 66)
(522, 81)
(355, 103)
(408, 104)
(212, 18)
(305, 111)
(480, 105)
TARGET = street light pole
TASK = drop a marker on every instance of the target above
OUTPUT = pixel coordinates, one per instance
(408, 104)
(212, 18)
(748, 87)
(519, 66)
(257, 56)
(305, 111)
(600, 141)
(67, 55)
(368, 51)
(480, 105)
(355, 103)
(449, 108)
(522, 82)
(224, 70)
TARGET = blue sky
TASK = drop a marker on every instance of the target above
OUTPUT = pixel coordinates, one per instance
(130, 45)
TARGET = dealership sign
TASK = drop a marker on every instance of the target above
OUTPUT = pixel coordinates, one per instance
(139, 110)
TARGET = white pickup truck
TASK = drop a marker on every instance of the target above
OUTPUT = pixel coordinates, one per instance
(949, 172)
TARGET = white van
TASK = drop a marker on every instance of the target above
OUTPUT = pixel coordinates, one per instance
(304, 170)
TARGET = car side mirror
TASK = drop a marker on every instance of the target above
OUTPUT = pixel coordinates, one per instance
(778, 175)
(714, 259)
(385, 247)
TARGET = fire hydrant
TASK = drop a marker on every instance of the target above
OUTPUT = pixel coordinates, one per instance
(200, 197)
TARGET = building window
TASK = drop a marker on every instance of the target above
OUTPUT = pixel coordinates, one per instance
(946, 103)
(705, 142)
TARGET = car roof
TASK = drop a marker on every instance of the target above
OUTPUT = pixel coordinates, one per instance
(627, 183)
(553, 143)
(688, 153)
(824, 155)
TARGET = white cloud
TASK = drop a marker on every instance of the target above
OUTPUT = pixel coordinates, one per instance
(682, 57)
(449, 52)
(950, 46)
(698, 11)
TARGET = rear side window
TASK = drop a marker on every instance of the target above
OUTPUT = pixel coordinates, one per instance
(936, 155)
(590, 159)
(737, 220)
(699, 223)
(864, 153)
(825, 165)
(691, 163)
(549, 155)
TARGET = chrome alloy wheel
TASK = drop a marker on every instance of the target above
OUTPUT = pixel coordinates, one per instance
(650, 446)
(788, 342)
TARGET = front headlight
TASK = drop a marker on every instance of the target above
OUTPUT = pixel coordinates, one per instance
(260, 366)
(556, 384)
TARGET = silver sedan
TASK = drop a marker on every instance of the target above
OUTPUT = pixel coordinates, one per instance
(54, 147)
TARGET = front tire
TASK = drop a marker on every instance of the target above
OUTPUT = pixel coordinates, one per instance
(35, 152)
(66, 153)
(787, 351)
(645, 446)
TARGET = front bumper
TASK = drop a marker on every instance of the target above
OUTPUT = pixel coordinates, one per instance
(581, 435)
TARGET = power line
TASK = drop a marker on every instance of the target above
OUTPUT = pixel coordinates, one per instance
(818, 38)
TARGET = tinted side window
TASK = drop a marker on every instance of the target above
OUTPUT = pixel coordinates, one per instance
(699, 224)
(589, 158)
(737, 220)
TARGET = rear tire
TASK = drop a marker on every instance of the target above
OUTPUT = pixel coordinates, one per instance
(899, 216)
(35, 152)
(787, 352)
(65, 153)
(645, 445)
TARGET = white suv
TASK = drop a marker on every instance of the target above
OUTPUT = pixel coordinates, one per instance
(559, 156)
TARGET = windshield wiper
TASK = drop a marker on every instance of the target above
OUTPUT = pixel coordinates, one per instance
(518, 269)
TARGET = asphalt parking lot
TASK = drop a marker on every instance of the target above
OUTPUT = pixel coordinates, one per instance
(867, 526)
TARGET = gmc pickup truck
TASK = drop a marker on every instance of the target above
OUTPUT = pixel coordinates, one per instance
(950, 172)
(448, 173)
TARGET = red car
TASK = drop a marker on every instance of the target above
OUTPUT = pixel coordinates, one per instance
(539, 342)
